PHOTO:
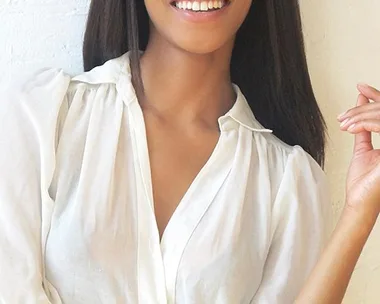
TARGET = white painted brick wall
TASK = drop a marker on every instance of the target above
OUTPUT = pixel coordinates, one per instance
(40, 33)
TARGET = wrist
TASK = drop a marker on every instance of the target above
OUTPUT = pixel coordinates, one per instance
(364, 217)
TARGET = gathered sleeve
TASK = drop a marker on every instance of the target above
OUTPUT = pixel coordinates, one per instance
(301, 226)
(29, 118)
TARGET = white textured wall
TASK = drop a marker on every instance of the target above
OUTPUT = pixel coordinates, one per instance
(40, 33)
(342, 39)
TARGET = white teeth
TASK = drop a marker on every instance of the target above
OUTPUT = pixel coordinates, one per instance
(204, 6)
(196, 6)
(200, 5)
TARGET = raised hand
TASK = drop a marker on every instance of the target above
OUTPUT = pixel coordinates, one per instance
(329, 280)
(363, 179)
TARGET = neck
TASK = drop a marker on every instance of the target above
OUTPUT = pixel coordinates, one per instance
(186, 87)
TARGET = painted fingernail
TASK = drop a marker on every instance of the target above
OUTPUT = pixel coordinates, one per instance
(350, 128)
(344, 122)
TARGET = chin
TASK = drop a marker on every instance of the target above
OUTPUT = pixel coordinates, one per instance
(199, 45)
(199, 32)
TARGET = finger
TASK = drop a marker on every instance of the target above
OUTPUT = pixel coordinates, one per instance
(365, 125)
(373, 107)
(367, 116)
(369, 92)
(363, 139)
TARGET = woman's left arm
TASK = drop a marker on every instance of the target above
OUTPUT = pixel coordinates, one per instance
(329, 279)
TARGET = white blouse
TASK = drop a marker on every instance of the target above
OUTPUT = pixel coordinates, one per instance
(77, 221)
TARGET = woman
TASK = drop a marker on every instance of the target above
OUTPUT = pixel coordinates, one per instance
(149, 180)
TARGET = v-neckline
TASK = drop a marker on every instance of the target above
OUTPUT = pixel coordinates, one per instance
(160, 258)
(187, 194)
(145, 160)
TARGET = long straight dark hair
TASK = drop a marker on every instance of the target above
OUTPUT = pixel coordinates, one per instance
(268, 63)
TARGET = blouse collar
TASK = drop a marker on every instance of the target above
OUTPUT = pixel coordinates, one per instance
(117, 71)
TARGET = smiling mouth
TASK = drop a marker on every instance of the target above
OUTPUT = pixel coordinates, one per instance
(201, 6)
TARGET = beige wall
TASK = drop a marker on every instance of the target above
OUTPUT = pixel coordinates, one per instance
(343, 46)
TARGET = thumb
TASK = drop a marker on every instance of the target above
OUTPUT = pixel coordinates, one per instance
(363, 140)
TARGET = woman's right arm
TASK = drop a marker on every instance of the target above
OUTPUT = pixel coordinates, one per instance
(27, 134)
(329, 280)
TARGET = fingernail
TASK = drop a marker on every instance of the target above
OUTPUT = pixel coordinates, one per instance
(363, 85)
(350, 128)
(344, 122)
(341, 114)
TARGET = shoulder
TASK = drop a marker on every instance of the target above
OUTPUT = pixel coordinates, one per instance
(44, 81)
(35, 100)
(270, 150)
(34, 110)
(29, 112)
(299, 185)
(302, 185)
(283, 155)
(42, 95)
(110, 81)
(295, 177)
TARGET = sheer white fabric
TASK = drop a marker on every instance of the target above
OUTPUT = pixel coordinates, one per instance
(77, 223)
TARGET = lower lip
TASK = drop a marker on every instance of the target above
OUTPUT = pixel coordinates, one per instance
(204, 16)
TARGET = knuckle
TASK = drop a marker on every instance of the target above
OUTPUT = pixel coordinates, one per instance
(351, 112)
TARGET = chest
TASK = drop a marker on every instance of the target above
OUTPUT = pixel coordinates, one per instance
(103, 243)
(176, 161)
(104, 247)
